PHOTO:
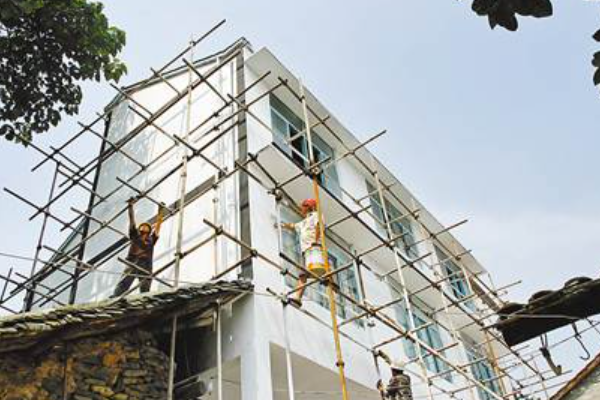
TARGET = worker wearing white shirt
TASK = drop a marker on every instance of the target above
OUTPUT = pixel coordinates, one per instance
(309, 234)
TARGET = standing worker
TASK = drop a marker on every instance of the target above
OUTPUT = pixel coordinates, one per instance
(141, 252)
(398, 388)
(309, 234)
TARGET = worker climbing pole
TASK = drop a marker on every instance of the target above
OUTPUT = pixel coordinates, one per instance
(330, 291)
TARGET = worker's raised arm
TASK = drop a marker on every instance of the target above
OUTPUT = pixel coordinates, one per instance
(288, 225)
(385, 357)
(159, 220)
(132, 224)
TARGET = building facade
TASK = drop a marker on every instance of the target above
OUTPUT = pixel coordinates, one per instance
(240, 136)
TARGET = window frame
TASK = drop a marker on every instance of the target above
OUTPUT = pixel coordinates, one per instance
(483, 372)
(456, 281)
(297, 150)
(399, 223)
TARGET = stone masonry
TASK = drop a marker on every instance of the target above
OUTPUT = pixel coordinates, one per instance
(121, 366)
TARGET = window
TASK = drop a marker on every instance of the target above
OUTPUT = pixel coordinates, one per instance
(430, 335)
(289, 239)
(346, 280)
(483, 371)
(399, 226)
(287, 125)
(456, 278)
(402, 318)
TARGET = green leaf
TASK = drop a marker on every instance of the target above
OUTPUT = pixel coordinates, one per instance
(597, 77)
(38, 87)
(597, 36)
(596, 60)
(484, 7)
(542, 9)
(504, 12)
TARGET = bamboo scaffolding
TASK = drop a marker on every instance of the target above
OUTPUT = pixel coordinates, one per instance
(364, 165)
(385, 320)
(196, 153)
(142, 84)
(277, 188)
(93, 164)
(351, 300)
(40, 241)
(484, 389)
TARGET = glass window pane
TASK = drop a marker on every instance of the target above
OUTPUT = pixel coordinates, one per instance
(286, 113)
(280, 128)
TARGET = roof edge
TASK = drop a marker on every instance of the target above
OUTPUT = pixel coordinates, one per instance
(240, 43)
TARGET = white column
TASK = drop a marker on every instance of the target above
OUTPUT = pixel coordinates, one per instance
(257, 383)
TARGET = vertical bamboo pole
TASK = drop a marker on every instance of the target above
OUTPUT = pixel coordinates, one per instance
(219, 352)
(330, 292)
(542, 380)
(38, 249)
(362, 293)
(179, 241)
(405, 294)
(491, 351)
(445, 285)
(284, 308)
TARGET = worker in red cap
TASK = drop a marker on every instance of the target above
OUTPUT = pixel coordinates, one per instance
(309, 234)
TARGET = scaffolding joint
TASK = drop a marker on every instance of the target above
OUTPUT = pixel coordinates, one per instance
(314, 172)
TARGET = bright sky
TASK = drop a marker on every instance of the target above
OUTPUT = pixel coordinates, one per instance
(497, 127)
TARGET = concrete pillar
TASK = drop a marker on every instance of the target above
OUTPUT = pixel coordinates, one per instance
(257, 383)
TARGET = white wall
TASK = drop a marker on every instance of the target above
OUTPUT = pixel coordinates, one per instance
(148, 145)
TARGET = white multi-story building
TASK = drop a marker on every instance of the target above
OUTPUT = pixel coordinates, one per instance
(149, 121)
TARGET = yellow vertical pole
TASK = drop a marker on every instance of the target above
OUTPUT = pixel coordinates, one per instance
(331, 295)
(330, 292)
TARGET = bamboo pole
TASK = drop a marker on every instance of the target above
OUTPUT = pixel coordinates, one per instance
(330, 293)
(284, 313)
(180, 221)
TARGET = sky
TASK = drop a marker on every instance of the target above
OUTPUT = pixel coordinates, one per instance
(500, 128)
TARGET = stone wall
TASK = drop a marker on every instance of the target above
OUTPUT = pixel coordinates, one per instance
(126, 366)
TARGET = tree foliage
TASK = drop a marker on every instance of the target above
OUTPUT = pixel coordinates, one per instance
(47, 48)
(596, 61)
(504, 13)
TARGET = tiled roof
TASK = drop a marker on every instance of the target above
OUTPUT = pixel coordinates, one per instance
(27, 330)
(577, 299)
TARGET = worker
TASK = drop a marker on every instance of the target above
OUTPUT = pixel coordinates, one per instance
(141, 252)
(309, 235)
(398, 388)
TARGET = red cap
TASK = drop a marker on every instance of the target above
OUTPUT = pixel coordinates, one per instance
(310, 203)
